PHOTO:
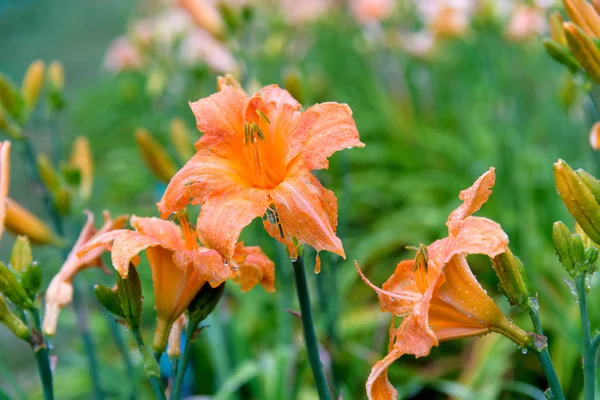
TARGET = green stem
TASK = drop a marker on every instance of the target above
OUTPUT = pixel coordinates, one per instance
(185, 359)
(310, 337)
(588, 347)
(42, 358)
(544, 357)
(151, 368)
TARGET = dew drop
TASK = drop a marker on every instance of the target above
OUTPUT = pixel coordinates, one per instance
(524, 350)
(392, 299)
(293, 259)
(349, 147)
(225, 263)
(318, 264)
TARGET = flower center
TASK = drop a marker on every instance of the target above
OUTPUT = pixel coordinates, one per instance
(262, 154)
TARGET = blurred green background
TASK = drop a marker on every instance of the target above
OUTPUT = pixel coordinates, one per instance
(431, 127)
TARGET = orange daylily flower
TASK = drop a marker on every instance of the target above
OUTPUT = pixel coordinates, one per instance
(180, 267)
(60, 290)
(256, 157)
(4, 180)
(437, 294)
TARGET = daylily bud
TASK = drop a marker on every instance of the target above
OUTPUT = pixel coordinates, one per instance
(81, 158)
(8, 126)
(20, 221)
(11, 99)
(584, 49)
(12, 289)
(562, 238)
(583, 14)
(181, 139)
(56, 75)
(578, 199)
(561, 54)
(31, 279)
(155, 156)
(292, 83)
(591, 182)
(595, 136)
(62, 201)
(13, 322)
(596, 5)
(514, 282)
(33, 83)
(109, 299)
(129, 291)
(556, 28)
(174, 347)
(21, 257)
(204, 303)
(47, 172)
(574, 251)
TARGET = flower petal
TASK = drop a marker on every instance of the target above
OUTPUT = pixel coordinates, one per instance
(308, 212)
(208, 264)
(224, 215)
(256, 268)
(4, 180)
(473, 198)
(204, 175)
(378, 386)
(401, 281)
(324, 129)
(166, 232)
(219, 117)
(477, 235)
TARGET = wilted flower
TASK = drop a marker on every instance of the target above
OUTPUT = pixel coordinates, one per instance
(180, 266)
(60, 290)
(122, 55)
(437, 294)
(255, 159)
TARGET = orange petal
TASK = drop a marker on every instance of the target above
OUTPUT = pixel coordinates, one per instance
(167, 232)
(4, 180)
(205, 174)
(378, 385)
(402, 280)
(473, 198)
(224, 215)
(324, 129)
(219, 117)
(595, 136)
(308, 212)
(477, 235)
(256, 268)
(208, 264)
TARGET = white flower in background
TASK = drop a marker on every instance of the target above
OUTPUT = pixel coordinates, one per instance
(172, 25)
(122, 55)
(418, 44)
(200, 47)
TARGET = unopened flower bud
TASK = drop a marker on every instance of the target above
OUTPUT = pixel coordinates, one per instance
(129, 292)
(576, 252)
(109, 299)
(578, 199)
(205, 15)
(47, 172)
(562, 238)
(156, 157)
(584, 49)
(293, 84)
(31, 279)
(6, 125)
(21, 257)
(11, 99)
(514, 282)
(12, 289)
(595, 136)
(182, 140)
(562, 54)
(62, 201)
(174, 347)
(13, 322)
(56, 75)
(81, 158)
(204, 302)
(33, 83)
(582, 13)
(20, 221)
(556, 28)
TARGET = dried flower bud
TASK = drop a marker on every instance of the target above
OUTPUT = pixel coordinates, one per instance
(182, 140)
(21, 257)
(81, 158)
(156, 157)
(33, 83)
(13, 322)
(514, 282)
(578, 199)
(20, 221)
(584, 49)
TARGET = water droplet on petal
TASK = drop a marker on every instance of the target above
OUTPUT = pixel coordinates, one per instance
(524, 350)
(349, 147)
(293, 259)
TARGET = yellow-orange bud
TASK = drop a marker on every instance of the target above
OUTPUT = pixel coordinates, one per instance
(514, 282)
(556, 28)
(56, 75)
(584, 49)
(81, 158)
(47, 172)
(595, 136)
(20, 221)
(582, 13)
(155, 156)
(33, 83)
(182, 140)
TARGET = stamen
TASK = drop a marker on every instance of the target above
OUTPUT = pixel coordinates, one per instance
(406, 296)
(422, 257)
(263, 117)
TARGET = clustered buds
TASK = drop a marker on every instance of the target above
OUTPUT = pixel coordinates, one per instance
(576, 256)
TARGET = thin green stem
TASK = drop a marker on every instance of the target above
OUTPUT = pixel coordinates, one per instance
(185, 359)
(589, 365)
(544, 357)
(310, 337)
(151, 368)
(42, 358)
(174, 366)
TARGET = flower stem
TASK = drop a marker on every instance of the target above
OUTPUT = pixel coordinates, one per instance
(588, 347)
(185, 359)
(310, 337)
(151, 368)
(544, 357)
(40, 350)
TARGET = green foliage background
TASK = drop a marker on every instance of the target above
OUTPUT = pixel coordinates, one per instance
(431, 128)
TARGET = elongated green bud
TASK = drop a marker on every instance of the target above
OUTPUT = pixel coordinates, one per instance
(21, 257)
(591, 182)
(561, 54)
(13, 322)
(12, 289)
(578, 199)
(561, 236)
(47, 172)
(109, 300)
(514, 282)
(205, 302)
(129, 291)
(11, 99)
(33, 82)
(31, 279)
